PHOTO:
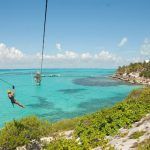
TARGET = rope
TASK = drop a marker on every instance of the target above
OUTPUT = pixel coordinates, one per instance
(8, 83)
(43, 42)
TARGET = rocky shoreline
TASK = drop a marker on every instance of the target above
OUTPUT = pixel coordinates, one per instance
(132, 78)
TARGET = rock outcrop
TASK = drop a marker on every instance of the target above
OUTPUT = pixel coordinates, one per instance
(128, 139)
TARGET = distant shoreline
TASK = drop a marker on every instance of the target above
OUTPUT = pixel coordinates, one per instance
(132, 80)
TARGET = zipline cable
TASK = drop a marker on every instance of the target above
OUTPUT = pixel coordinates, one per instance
(43, 41)
(13, 87)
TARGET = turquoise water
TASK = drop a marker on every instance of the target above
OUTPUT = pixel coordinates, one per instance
(75, 92)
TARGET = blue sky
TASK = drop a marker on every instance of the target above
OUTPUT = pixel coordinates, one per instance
(78, 26)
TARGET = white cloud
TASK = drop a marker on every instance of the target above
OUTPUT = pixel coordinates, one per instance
(101, 59)
(105, 55)
(145, 48)
(71, 54)
(11, 57)
(123, 42)
(58, 46)
(60, 56)
(7, 53)
(86, 56)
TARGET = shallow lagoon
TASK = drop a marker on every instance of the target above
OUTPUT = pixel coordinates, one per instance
(73, 93)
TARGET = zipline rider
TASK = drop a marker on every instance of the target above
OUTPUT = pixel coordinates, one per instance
(37, 78)
(11, 96)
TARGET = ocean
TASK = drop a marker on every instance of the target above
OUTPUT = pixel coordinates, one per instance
(69, 93)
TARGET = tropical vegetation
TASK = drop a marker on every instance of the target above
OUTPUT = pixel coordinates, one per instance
(143, 68)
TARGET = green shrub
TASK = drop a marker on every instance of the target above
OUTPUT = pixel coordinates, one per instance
(64, 144)
(68, 124)
(144, 145)
(136, 135)
(145, 74)
(93, 128)
(143, 68)
(20, 132)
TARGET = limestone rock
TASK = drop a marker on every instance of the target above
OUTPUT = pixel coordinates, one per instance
(46, 140)
(33, 145)
(125, 142)
(69, 134)
(21, 148)
(97, 148)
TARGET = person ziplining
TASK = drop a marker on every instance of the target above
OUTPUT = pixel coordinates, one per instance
(37, 78)
(11, 96)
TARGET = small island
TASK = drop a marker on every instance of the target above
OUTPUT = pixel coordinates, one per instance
(135, 73)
